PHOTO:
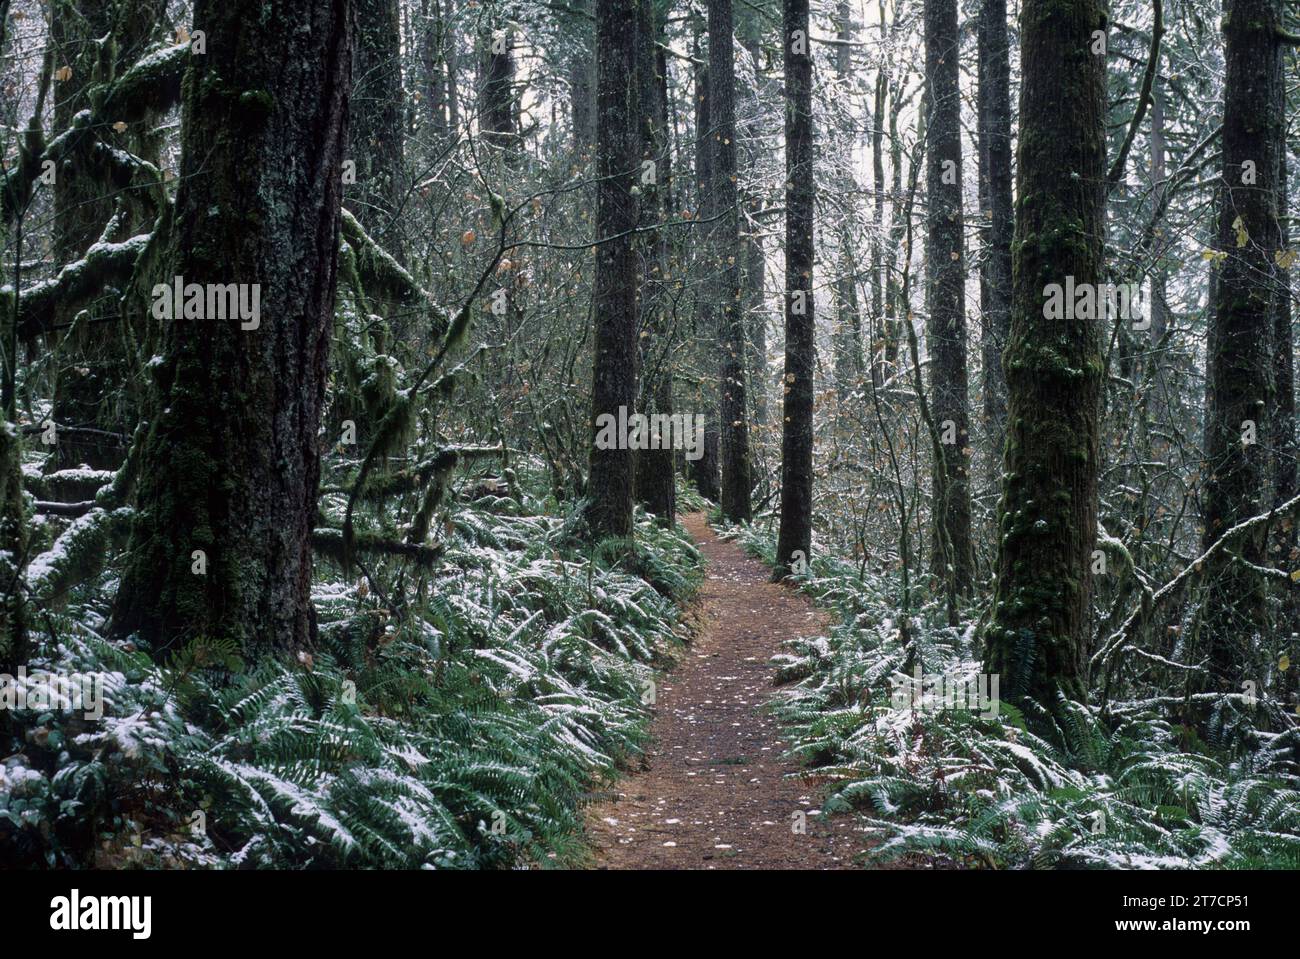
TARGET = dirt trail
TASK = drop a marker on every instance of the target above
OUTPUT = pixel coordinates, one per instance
(714, 795)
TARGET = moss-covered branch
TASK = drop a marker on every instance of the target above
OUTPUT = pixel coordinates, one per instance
(105, 264)
(77, 555)
(329, 542)
(383, 277)
(151, 87)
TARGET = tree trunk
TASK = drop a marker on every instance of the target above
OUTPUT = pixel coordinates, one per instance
(1047, 520)
(1160, 382)
(1284, 423)
(13, 533)
(704, 471)
(995, 181)
(581, 81)
(952, 557)
(655, 484)
(1239, 376)
(733, 426)
(876, 331)
(756, 312)
(453, 67)
(848, 316)
(896, 311)
(848, 324)
(376, 128)
(794, 539)
(231, 464)
(614, 297)
(433, 60)
(497, 99)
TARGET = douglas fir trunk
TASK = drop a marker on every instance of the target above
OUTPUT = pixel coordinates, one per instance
(227, 500)
(794, 540)
(1047, 520)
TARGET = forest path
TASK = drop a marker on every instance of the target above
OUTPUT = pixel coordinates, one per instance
(714, 793)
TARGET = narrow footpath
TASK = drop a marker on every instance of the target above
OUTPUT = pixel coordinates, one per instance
(716, 793)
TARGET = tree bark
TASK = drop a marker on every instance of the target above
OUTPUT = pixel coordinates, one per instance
(497, 100)
(231, 463)
(1285, 446)
(794, 539)
(952, 557)
(756, 314)
(1047, 520)
(1240, 376)
(733, 426)
(848, 316)
(704, 471)
(614, 297)
(995, 182)
(655, 484)
(877, 325)
(581, 83)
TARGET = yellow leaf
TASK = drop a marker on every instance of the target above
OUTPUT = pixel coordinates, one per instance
(119, 126)
(1284, 663)
(63, 74)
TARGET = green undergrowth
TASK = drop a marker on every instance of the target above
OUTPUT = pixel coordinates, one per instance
(467, 732)
(1023, 788)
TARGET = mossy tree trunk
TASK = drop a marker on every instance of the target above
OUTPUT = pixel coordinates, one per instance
(231, 463)
(794, 538)
(615, 291)
(1239, 374)
(952, 557)
(1047, 520)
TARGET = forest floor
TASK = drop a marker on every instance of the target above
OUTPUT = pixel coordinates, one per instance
(714, 792)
